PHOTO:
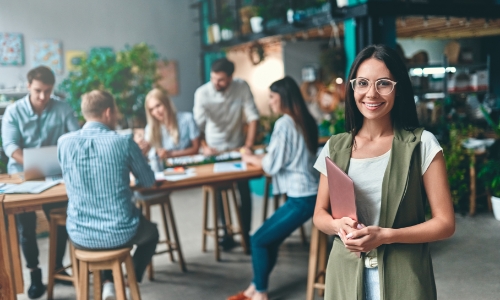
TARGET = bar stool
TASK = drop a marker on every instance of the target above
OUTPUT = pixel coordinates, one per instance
(95, 261)
(145, 202)
(223, 189)
(58, 218)
(277, 199)
(317, 263)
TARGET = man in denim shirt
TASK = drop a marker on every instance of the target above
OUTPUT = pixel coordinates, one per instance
(96, 164)
(37, 120)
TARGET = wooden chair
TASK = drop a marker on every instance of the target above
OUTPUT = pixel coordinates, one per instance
(223, 189)
(277, 199)
(317, 263)
(95, 261)
(167, 214)
(58, 218)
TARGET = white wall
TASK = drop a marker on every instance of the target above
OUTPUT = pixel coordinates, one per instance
(259, 77)
(168, 25)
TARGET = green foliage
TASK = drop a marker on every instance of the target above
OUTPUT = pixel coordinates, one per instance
(128, 75)
(334, 124)
(490, 173)
(457, 160)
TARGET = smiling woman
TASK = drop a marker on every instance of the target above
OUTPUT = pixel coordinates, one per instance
(395, 166)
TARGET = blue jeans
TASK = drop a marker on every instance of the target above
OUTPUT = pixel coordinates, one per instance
(372, 284)
(266, 241)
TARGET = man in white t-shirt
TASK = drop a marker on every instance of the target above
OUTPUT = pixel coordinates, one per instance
(220, 108)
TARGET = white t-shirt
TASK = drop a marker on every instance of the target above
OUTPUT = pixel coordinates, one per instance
(368, 173)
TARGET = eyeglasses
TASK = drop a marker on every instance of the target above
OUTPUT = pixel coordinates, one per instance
(382, 86)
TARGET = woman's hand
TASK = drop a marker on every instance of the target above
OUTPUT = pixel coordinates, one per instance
(252, 159)
(162, 153)
(365, 239)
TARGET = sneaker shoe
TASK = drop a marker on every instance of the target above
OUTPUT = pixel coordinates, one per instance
(108, 291)
(37, 288)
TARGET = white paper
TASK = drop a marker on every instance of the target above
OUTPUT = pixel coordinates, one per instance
(176, 177)
(234, 166)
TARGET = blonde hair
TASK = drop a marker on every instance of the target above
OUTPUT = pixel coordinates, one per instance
(94, 103)
(170, 118)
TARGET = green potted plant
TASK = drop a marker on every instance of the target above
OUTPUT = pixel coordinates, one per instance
(490, 172)
(128, 75)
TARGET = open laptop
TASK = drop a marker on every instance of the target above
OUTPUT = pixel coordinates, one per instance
(44, 159)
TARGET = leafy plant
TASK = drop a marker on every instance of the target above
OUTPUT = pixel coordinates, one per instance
(457, 160)
(128, 75)
(490, 173)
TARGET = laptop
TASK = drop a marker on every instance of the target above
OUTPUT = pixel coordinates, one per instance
(44, 159)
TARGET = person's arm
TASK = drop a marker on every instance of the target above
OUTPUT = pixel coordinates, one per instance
(139, 167)
(440, 226)
(195, 146)
(251, 133)
(252, 117)
(11, 136)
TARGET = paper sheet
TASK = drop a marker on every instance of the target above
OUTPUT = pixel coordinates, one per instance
(236, 166)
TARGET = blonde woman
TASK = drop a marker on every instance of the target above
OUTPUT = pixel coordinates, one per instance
(168, 133)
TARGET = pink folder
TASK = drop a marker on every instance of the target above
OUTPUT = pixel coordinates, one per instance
(342, 197)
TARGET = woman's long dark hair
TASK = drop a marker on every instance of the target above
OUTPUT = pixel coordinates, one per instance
(293, 104)
(404, 112)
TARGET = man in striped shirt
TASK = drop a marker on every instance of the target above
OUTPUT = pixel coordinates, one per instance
(96, 164)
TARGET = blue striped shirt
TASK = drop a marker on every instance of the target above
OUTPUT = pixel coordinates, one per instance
(289, 161)
(96, 164)
(23, 128)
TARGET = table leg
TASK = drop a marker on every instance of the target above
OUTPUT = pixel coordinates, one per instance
(15, 254)
(6, 275)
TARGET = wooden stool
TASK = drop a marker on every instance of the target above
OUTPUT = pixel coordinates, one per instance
(214, 231)
(317, 263)
(167, 213)
(95, 261)
(276, 199)
(58, 218)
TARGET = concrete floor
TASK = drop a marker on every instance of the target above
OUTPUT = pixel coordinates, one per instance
(466, 266)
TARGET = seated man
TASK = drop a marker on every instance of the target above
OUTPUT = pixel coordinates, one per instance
(96, 164)
(35, 121)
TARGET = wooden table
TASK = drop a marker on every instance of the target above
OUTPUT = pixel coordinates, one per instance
(11, 279)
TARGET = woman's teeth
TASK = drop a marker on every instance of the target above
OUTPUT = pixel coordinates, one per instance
(373, 104)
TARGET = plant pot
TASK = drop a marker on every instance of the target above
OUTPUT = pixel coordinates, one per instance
(226, 34)
(256, 24)
(495, 202)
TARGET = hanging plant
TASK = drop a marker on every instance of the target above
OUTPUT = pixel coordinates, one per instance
(256, 53)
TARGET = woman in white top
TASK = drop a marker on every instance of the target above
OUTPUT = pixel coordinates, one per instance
(290, 157)
(168, 133)
(394, 166)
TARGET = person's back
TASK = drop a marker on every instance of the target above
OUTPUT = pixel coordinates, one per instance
(96, 163)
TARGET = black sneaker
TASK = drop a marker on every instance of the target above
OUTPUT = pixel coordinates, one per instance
(227, 243)
(37, 288)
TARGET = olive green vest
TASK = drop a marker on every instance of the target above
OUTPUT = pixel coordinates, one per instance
(405, 270)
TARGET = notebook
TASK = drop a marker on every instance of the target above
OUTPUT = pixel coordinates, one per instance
(342, 196)
(27, 187)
